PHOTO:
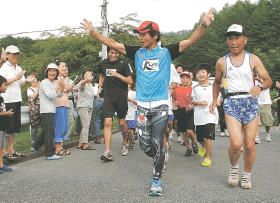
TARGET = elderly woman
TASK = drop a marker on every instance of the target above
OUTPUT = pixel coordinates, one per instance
(34, 106)
(85, 106)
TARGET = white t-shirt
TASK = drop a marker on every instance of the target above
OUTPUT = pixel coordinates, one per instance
(202, 114)
(264, 97)
(95, 89)
(132, 108)
(31, 91)
(13, 92)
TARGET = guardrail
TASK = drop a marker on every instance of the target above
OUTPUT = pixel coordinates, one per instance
(24, 115)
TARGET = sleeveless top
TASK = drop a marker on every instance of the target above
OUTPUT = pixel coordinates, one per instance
(238, 78)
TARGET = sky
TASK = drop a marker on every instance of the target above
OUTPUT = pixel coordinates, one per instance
(171, 16)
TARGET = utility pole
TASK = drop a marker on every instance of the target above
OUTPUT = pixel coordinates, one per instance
(105, 27)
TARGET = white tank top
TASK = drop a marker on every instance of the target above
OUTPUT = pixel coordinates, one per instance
(238, 78)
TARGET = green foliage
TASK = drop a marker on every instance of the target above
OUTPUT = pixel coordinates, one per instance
(260, 20)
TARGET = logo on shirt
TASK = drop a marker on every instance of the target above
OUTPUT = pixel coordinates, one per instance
(150, 65)
(108, 71)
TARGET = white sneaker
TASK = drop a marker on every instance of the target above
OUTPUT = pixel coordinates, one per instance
(180, 139)
(53, 157)
(268, 138)
(124, 150)
(226, 131)
(233, 176)
(246, 182)
(258, 140)
(222, 134)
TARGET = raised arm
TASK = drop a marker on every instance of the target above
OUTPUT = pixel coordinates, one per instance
(207, 19)
(88, 27)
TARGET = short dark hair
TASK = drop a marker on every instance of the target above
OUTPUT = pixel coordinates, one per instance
(58, 62)
(203, 66)
(109, 48)
(87, 70)
(35, 75)
(153, 33)
(48, 71)
(179, 65)
(2, 80)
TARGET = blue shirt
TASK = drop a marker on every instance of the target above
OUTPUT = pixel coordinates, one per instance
(152, 71)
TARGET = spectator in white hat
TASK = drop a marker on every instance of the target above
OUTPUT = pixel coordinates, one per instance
(50, 88)
(12, 97)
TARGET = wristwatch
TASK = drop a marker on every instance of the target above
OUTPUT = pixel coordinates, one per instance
(260, 87)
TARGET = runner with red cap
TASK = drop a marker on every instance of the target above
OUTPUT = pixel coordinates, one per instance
(152, 63)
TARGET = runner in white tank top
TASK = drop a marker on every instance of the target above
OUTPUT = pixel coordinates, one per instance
(238, 78)
(240, 105)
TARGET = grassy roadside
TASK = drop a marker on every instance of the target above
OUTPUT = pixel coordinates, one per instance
(23, 144)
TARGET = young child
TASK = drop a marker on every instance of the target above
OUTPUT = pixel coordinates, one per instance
(3, 124)
(204, 121)
(131, 115)
(182, 98)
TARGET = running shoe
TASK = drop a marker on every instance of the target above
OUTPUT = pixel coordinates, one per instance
(201, 151)
(156, 187)
(180, 139)
(258, 140)
(124, 150)
(233, 176)
(246, 181)
(106, 156)
(53, 157)
(206, 162)
(195, 148)
(268, 138)
(226, 133)
(188, 153)
(222, 134)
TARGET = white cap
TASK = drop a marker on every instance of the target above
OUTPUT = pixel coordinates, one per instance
(235, 28)
(186, 73)
(12, 49)
(52, 66)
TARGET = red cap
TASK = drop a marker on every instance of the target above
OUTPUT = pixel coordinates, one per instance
(147, 26)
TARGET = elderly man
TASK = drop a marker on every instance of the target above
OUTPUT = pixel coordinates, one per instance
(12, 97)
(240, 103)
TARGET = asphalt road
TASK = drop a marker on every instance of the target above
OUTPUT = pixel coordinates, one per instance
(83, 177)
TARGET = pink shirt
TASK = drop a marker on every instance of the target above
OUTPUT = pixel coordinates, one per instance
(62, 101)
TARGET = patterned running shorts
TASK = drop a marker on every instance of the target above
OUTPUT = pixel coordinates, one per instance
(242, 109)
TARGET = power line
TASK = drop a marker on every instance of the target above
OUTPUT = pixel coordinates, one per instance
(36, 31)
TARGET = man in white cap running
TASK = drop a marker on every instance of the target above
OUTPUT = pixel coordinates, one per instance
(241, 103)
